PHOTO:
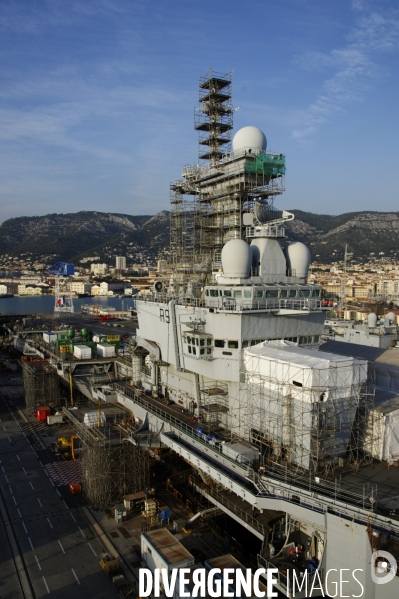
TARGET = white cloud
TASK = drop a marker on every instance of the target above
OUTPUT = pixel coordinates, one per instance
(353, 67)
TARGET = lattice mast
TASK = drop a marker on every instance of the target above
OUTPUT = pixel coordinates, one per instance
(214, 117)
(209, 203)
(63, 296)
(214, 122)
(63, 271)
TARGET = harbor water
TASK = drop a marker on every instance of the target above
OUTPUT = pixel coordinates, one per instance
(45, 303)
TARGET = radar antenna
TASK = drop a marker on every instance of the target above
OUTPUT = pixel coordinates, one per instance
(271, 228)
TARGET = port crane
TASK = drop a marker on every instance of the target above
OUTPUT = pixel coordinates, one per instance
(62, 272)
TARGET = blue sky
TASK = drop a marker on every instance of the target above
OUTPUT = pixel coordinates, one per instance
(97, 98)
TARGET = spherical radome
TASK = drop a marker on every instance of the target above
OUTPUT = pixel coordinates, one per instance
(392, 317)
(249, 138)
(298, 259)
(236, 259)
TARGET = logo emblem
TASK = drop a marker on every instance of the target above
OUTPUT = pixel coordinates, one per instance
(383, 567)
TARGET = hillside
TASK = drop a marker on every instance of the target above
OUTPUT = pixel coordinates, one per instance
(74, 236)
(364, 232)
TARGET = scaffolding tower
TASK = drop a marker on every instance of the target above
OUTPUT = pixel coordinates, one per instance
(111, 466)
(214, 117)
(305, 419)
(41, 384)
(214, 406)
(209, 203)
(112, 471)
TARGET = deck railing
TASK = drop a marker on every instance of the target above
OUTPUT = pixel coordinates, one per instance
(279, 482)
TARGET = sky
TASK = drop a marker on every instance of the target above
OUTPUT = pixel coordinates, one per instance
(97, 99)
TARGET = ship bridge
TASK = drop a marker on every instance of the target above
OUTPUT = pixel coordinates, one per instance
(282, 298)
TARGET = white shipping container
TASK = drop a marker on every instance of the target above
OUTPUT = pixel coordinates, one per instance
(82, 352)
(49, 337)
(105, 350)
(55, 419)
(241, 452)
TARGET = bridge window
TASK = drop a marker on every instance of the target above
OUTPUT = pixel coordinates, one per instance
(258, 293)
(214, 292)
(219, 342)
(305, 340)
(283, 293)
(227, 292)
(272, 293)
(248, 293)
(304, 292)
(232, 344)
(237, 293)
(292, 292)
(316, 293)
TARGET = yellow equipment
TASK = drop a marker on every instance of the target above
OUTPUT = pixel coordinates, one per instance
(63, 442)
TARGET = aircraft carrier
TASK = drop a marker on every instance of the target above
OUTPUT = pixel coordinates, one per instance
(225, 370)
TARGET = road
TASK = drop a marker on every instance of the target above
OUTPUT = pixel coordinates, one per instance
(56, 551)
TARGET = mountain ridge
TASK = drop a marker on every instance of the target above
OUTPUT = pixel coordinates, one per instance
(73, 236)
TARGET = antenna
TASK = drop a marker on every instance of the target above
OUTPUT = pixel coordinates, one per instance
(342, 285)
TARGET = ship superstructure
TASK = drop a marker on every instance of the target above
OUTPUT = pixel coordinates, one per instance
(230, 339)
(239, 300)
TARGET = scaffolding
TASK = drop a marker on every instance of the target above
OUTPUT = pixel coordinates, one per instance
(305, 418)
(41, 384)
(209, 202)
(214, 117)
(111, 466)
(112, 471)
(214, 406)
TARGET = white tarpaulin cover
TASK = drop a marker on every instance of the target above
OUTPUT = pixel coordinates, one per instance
(391, 437)
(91, 419)
(382, 431)
(304, 401)
(309, 371)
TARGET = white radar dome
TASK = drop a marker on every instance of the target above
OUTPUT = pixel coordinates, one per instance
(236, 259)
(372, 320)
(250, 139)
(391, 316)
(298, 259)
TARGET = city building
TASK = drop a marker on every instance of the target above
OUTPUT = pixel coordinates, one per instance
(99, 269)
(80, 287)
(120, 262)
